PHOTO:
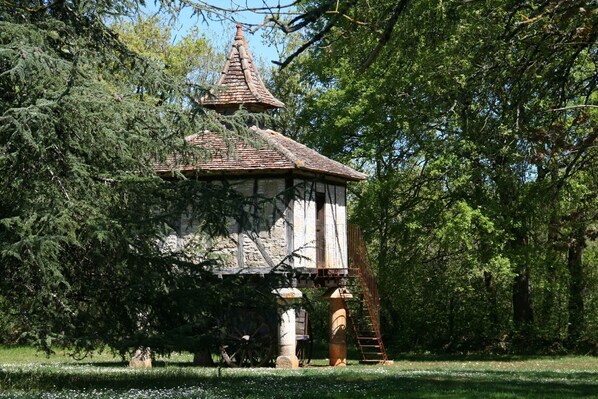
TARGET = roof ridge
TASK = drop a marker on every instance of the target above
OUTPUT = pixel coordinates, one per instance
(342, 165)
(272, 137)
(264, 134)
(246, 63)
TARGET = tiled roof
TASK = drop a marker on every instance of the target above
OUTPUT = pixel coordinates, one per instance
(270, 152)
(240, 83)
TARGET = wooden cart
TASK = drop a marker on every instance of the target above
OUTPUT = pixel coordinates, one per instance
(249, 338)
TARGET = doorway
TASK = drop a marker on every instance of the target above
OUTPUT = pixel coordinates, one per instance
(320, 231)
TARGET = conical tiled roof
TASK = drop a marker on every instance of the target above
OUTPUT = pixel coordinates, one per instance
(240, 83)
(267, 152)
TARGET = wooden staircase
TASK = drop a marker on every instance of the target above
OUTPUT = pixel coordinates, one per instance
(363, 302)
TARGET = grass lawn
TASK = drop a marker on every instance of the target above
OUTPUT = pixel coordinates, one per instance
(27, 374)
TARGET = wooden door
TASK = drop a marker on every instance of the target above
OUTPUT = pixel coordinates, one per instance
(320, 231)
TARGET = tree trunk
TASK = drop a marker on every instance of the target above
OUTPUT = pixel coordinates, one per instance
(576, 284)
(523, 315)
(203, 358)
(492, 296)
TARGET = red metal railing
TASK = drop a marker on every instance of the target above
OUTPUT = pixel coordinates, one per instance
(359, 266)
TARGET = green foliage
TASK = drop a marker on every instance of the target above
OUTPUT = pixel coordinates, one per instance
(190, 58)
(477, 125)
(84, 119)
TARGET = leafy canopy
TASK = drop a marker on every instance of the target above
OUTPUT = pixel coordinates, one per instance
(85, 115)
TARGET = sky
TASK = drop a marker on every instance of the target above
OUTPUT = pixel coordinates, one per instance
(222, 34)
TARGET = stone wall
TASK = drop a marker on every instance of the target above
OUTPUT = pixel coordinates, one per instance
(261, 243)
(267, 232)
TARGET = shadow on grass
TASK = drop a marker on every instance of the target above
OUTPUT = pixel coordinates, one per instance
(475, 357)
(358, 383)
(155, 364)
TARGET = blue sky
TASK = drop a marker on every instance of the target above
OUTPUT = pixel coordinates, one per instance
(221, 34)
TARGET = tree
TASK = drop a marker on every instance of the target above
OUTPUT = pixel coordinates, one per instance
(190, 58)
(84, 118)
(475, 122)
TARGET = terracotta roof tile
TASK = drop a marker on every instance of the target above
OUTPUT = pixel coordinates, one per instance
(270, 152)
(304, 158)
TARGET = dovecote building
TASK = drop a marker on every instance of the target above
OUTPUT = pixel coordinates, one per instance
(304, 227)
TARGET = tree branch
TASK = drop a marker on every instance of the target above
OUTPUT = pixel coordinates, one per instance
(575, 107)
(386, 34)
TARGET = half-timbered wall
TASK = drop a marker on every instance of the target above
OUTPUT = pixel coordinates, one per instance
(282, 228)
(305, 224)
(261, 243)
(264, 241)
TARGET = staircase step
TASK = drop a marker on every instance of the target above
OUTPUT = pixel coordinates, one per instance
(363, 307)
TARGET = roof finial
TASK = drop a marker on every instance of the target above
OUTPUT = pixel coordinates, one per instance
(241, 82)
(239, 35)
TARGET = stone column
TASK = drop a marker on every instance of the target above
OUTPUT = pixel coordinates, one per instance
(337, 343)
(141, 358)
(287, 341)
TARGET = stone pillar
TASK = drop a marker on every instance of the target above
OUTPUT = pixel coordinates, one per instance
(287, 341)
(337, 343)
(141, 358)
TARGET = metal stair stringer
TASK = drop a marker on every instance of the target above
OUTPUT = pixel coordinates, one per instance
(363, 303)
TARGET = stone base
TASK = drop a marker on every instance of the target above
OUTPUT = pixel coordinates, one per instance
(287, 362)
(286, 296)
(338, 354)
(142, 358)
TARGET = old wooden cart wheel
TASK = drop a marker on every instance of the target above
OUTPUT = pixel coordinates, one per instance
(304, 348)
(305, 336)
(248, 339)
